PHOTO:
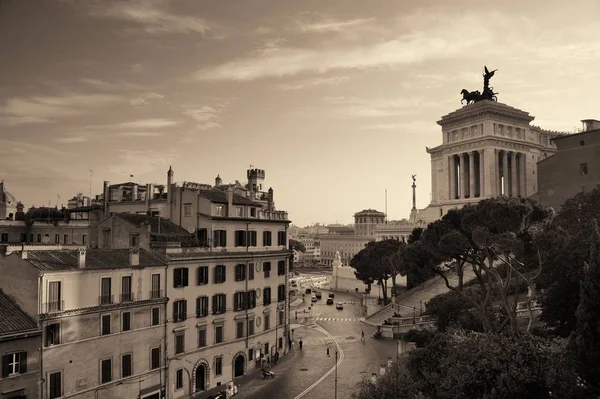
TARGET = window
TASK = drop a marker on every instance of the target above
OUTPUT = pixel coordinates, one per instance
(105, 324)
(155, 316)
(250, 271)
(52, 334)
(218, 366)
(281, 293)
(250, 354)
(240, 238)
(267, 269)
(220, 274)
(180, 277)
(179, 343)
(14, 363)
(126, 321)
(281, 238)
(126, 365)
(219, 303)
(24, 238)
(154, 358)
(267, 321)
(126, 295)
(280, 342)
(252, 212)
(84, 239)
(239, 301)
(105, 291)
(281, 268)
(252, 238)
(202, 275)
(39, 238)
(239, 212)
(240, 272)
(179, 310)
(267, 238)
(134, 240)
(65, 239)
(251, 295)
(202, 235)
(220, 238)
(155, 291)
(220, 210)
(250, 327)
(187, 209)
(57, 238)
(54, 296)
(178, 379)
(218, 334)
(266, 295)
(202, 337)
(105, 371)
(239, 329)
(55, 385)
(281, 318)
(202, 306)
(583, 169)
(31, 238)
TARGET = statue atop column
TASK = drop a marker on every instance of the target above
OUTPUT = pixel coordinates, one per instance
(414, 192)
(488, 91)
(338, 257)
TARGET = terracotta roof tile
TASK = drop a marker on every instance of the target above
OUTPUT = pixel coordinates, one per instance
(220, 197)
(62, 260)
(166, 226)
(12, 318)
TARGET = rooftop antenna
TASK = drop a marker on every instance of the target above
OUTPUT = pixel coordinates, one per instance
(386, 216)
(91, 175)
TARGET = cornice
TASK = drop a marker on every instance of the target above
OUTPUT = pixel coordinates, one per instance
(489, 109)
(486, 141)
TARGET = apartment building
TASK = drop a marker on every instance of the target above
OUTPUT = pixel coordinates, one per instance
(102, 313)
(19, 343)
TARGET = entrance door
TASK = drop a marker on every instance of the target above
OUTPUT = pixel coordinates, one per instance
(200, 378)
(238, 366)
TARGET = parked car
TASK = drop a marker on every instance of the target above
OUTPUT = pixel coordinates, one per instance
(331, 295)
(330, 301)
(313, 299)
(318, 294)
(339, 305)
(308, 291)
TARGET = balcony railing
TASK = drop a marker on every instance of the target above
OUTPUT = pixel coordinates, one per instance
(54, 306)
(106, 299)
(127, 297)
(155, 294)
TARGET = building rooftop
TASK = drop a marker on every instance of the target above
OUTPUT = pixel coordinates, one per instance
(65, 260)
(12, 318)
(5, 196)
(219, 196)
(369, 212)
(157, 224)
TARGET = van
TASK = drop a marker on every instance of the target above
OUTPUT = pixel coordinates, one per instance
(318, 294)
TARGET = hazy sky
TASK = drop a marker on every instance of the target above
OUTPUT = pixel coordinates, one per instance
(335, 99)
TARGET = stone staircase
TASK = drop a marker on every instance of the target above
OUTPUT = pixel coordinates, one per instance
(410, 303)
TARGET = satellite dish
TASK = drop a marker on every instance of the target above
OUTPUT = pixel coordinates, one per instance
(191, 229)
(46, 240)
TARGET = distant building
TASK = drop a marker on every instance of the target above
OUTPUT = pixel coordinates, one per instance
(19, 343)
(574, 168)
(79, 201)
(366, 220)
(8, 203)
(103, 318)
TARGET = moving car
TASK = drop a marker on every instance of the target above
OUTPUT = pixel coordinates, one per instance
(313, 299)
(318, 294)
(331, 295)
(308, 291)
(330, 301)
(339, 305)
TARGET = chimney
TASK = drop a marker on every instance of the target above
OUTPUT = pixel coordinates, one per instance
(134, 192)
(270, 203)
(134, 256)
(230, 201)
(81, 257)
(218, 181)
(170, 192)
(148, 197)
(106, 196)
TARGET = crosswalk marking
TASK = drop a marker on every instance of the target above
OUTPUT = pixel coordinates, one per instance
(337, 319)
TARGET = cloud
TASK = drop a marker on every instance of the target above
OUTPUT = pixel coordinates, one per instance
(409, 49)
(139, 134)
(317, 82)
(153, 123)
(110, 86)
(145, 98)
(153, 16)
(207, 116)
(378, 107)
(44, 109)
(140, 162)
(18, 120)
(331, 25)
(417, 127)
(72, 139)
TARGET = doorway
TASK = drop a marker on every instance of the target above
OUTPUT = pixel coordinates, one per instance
(238, 366)
(201, 378)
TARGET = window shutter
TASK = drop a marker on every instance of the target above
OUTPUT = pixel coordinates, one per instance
(214, 304)
(175, 316)
(23, 362)
(184, 309)
(175, 278)
(198, 275)
(223, 273)
(5, 363)
(224, 303)
(198, 308)
(185, 277)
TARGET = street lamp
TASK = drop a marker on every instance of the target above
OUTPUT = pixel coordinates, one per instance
(397, 329)
(330, 344)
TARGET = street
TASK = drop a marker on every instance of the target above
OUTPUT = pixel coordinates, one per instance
(359, 359)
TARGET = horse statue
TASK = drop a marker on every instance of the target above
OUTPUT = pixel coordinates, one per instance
(470, 97)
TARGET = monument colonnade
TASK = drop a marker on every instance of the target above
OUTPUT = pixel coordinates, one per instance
(486, 173)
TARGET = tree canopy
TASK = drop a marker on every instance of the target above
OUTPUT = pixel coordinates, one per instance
(297, 245)
(373, 264)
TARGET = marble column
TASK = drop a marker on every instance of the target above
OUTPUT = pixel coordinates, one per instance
(514, 183)
(481, 177)
(497, 183)
(505, 173)
(452, 177)
(463, 176)
(522, 175)
(472, 174)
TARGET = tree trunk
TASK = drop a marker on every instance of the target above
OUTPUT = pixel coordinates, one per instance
(384, 289)
(393, 283)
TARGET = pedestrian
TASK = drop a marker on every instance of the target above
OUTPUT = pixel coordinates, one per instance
(300, 344)
(268, 361)
(327, 351)
(290, 344)
(276, 357)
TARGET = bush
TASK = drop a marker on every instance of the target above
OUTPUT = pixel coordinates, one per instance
(421, 338)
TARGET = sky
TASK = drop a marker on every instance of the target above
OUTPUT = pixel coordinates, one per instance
(335, 99)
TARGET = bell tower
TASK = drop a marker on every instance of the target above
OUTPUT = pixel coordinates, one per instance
(256, 178)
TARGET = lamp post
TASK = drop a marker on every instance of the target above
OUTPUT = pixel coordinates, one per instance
(397, 330)
(329, 345)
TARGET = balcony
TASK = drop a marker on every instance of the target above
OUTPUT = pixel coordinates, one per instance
(273, 215)
(155, 294)
(127, 297)
(54, 306)
(106, 299)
